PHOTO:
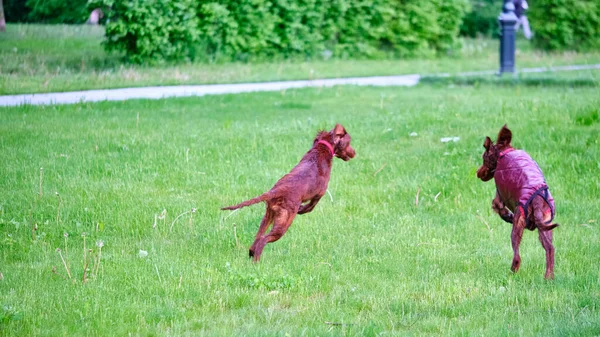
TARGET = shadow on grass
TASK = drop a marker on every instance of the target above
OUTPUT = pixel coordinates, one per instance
(511, 81)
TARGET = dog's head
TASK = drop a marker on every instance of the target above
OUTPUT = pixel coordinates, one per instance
(341, 143)
(491, 153)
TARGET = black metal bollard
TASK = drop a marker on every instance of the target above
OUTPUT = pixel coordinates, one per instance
(507, 21)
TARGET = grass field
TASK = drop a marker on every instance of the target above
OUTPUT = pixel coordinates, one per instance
(367, 261)
(48, 58)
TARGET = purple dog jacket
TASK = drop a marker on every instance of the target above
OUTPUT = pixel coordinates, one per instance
(518, 180)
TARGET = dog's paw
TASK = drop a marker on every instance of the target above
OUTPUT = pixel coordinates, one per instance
(508, 217)
(250, 253)
(516, 264)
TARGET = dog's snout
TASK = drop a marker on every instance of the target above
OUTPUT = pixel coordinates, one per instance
(351, 152)
(480, 173)
(483, 173)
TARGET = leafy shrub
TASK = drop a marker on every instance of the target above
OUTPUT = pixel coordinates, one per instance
(267, 29)
(57, 11)
(151, 29)
(565, 24)
(16, 11)
(483, 18)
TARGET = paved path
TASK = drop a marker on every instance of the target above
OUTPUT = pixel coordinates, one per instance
(219, 89)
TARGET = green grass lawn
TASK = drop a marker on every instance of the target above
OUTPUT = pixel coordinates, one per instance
(47, 58)
(367, 261)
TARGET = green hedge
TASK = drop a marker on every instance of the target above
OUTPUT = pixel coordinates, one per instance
(483, 19)
(268, 29)
(46, 11)
(565, 24)
(155, 29)
(16, 11)
(58, 11)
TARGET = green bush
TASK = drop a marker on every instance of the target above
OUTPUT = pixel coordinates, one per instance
(483, 19)
(57, 11)
(565, 24)
(16, 11)
(151, 30)
(46, 11)
(270, 29)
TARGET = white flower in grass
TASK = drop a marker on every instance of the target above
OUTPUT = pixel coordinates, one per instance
(100, 243)
(449, 139)
(142, 253)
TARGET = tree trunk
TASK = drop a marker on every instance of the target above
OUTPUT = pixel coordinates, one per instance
(2, 20)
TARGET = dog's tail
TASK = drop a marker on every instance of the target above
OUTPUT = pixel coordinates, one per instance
(260, 198)
(547, 227)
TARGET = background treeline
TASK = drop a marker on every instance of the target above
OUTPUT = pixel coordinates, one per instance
(273, 29)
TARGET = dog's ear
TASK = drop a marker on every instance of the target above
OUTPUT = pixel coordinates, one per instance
(338, 133)
(504, 136)
(487, 143)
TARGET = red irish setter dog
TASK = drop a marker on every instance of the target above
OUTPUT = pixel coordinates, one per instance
(299, 191)
(522, 195)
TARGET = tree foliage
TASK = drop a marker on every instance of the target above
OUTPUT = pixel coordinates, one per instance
(565, 24)
(482, 19)
(256, 29)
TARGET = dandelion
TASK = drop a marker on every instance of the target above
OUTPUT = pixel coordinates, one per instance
(237, 242)
(85, 264)
(33, 230)
(58, 210)
(142, 253)
(99, 244)
(41, 181)
(64, 262)
(163, 216)
(191, 217)
(66, 236)
(193, 210)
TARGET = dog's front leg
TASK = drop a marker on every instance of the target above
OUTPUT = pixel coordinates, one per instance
(310, 205)
(501, 210)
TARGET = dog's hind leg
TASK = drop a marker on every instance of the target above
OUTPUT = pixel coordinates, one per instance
(264, 224)
(283, 220)
(515, 238)
(546, 240)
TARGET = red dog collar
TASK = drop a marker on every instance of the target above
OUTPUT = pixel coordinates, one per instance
(505, 152)
(328, 146)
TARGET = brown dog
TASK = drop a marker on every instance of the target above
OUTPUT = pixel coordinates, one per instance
(522, 196)
(306, 182)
